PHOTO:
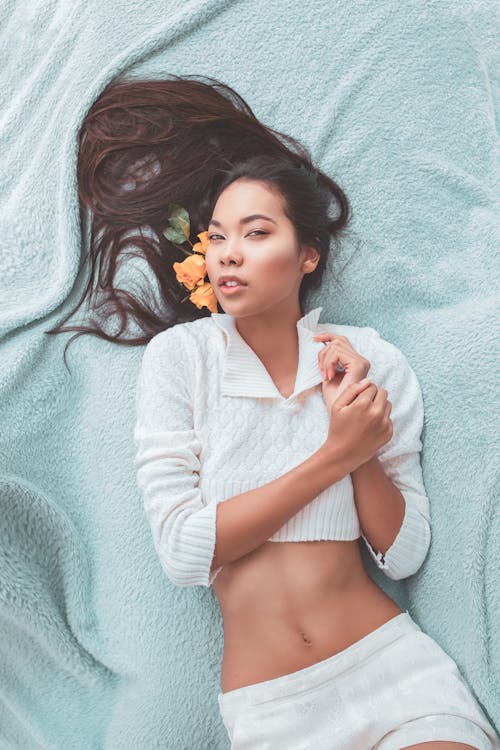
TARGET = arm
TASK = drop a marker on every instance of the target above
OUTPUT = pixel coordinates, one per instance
(246, 521)
(380, 505)
(167, 462)
(184, 529)
(389, 491)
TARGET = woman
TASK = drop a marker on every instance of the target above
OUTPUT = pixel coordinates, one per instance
(264, 452)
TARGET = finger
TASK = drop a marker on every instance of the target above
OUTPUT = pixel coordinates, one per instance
(353, 391)
(335, 354)
(323, 359)
(331, 365)
(335, 361)
(369, 393)
(323, 336)
(381, 395)
(322, 353)
(337, 339)
(320, 359)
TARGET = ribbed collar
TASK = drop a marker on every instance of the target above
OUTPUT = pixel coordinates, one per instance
(244, 373)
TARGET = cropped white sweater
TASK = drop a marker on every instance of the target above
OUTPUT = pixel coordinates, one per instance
(211, 424)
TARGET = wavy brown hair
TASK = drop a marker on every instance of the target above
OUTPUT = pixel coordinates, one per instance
(147, 143)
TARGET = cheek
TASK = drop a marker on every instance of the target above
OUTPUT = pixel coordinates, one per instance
(281, 270)
(209, 264)
(277, 262)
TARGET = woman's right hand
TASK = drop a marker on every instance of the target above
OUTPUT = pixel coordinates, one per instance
(359, 424)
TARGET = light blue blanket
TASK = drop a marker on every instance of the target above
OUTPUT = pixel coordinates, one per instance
(399, 103)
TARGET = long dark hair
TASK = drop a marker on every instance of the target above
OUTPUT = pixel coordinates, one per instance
(147, 143)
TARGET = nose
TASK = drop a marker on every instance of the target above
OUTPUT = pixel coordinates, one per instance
(230, 254)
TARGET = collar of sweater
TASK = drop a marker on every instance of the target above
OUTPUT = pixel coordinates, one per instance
(244, 373)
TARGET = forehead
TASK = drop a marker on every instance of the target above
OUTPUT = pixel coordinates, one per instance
(247, 197)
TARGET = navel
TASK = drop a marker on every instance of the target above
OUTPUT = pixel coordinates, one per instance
(306, 640)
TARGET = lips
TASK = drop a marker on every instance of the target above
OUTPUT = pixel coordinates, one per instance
(228, 290)
(223, 280)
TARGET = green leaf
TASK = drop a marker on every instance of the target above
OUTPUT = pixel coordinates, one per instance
(174, 235)
(179, 219)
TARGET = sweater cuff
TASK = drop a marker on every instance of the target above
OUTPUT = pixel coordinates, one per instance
(195, 548)
(409, 549)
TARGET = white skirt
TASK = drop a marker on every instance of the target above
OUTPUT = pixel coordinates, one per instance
(394, 687)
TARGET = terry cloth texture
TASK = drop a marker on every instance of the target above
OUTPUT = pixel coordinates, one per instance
(399, 103)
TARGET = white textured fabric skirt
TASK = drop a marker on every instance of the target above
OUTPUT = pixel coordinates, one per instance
(392, 688)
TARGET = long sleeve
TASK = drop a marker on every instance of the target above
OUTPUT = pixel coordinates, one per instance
(167, 463)
(400, 458)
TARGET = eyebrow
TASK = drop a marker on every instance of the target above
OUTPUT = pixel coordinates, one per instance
(245, 220)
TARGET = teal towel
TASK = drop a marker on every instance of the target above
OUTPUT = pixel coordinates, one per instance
(399, 103)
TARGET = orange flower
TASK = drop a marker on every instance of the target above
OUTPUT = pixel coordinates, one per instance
(191, 271)
(203, 296)
(201, 246)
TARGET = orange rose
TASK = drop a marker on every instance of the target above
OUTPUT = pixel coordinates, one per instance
(201, 246)
(191, 271)
(204, 296)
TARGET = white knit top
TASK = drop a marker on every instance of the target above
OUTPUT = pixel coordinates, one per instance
(211, 424)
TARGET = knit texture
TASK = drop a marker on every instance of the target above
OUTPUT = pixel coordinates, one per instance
(399, 103)
(211, 424)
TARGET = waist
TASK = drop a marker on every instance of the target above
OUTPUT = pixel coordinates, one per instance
(287, 579)
(279, 627)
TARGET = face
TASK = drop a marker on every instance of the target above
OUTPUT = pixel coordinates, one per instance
(262, 252)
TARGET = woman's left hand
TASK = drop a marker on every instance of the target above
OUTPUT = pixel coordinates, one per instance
(338, 350)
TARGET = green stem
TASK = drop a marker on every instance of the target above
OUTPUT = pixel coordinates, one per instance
(186, 252)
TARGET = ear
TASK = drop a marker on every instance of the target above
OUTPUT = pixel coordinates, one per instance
(311, 258)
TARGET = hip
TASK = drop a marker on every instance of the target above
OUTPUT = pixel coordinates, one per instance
(392, 688)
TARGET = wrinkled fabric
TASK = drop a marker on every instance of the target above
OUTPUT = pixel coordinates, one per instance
(399, 104)
(394, 687)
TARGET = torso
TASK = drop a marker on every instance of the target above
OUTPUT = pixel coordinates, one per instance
(287, 605)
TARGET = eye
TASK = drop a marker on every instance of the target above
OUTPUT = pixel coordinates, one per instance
(255, 231)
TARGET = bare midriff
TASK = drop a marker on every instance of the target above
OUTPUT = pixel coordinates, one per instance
(288, 605)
